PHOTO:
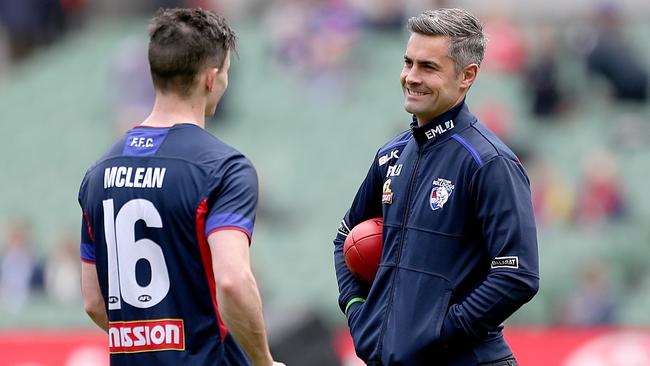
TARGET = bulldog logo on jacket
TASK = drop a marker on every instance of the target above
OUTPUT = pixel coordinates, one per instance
(442, 190)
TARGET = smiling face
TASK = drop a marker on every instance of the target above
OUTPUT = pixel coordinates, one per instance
(430, 82)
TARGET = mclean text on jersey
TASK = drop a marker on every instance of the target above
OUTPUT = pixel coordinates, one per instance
(134, 177)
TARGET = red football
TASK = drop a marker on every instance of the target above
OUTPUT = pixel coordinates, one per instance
(362, 249)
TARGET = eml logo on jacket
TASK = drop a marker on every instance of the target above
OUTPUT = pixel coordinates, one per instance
(442, 190)
(439, 129)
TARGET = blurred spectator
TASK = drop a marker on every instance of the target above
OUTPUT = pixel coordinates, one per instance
(18, 265)
(381, 15)
(73, 13)
(4, 52)
(631, 132)
(315, 43)
(414, 7)
(552, 198)
(600, 195)
(31, 23)
(610, 56)
(542, 78)
(288, 39)
(133, 94)
(593, 302)
(62, 271)
(496, 116)
(334, 31)
(506, 51)
(235, 10)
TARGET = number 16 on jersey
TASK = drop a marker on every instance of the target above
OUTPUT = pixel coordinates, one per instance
(124, 253)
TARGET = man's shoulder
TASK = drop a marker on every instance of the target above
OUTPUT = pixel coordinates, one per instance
(201, 147)
(396, 142)
(482, 144)
(113, 151)
(391, 150)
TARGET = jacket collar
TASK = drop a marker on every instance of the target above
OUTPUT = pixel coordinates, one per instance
(443, 126)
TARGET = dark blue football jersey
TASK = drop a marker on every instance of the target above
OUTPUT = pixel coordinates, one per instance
(149, 205)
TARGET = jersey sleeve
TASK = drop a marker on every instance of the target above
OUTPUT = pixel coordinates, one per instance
(87, 241)
(366, 205)
(504, 211)
(86, 245)
(233, 203)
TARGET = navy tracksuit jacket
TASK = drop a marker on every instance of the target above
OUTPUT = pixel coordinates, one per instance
(459, 247)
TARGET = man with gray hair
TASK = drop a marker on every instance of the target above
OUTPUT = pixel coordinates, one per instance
(459, 251)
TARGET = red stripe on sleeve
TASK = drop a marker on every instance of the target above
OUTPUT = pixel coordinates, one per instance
(90, 231)
(206, 257)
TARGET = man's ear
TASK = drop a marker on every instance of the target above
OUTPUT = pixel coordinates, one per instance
(210, 78)
(468, 75)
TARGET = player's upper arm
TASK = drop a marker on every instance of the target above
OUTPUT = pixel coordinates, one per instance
(230, 257)
(90, 290)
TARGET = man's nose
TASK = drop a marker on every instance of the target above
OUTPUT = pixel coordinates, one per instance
(412, 77)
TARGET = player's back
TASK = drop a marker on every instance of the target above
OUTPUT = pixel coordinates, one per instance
(149, 205)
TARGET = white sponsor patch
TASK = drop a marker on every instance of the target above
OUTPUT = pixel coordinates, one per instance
(146, 336)
(386, 158)
(343, 228)
(505, 262)
(439, 129)
(394, 170)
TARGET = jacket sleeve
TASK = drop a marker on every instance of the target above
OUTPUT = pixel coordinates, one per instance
(504, 211)
(366, 205)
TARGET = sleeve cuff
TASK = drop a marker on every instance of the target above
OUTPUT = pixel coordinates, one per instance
(221, 221)
(448, 327)
(236, 228)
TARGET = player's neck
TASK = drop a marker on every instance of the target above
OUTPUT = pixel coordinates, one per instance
(169, 110)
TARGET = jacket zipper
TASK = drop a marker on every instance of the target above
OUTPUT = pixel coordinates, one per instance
(399, 250)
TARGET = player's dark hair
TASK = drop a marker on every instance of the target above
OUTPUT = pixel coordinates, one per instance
(467, 42)
(184, 41)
